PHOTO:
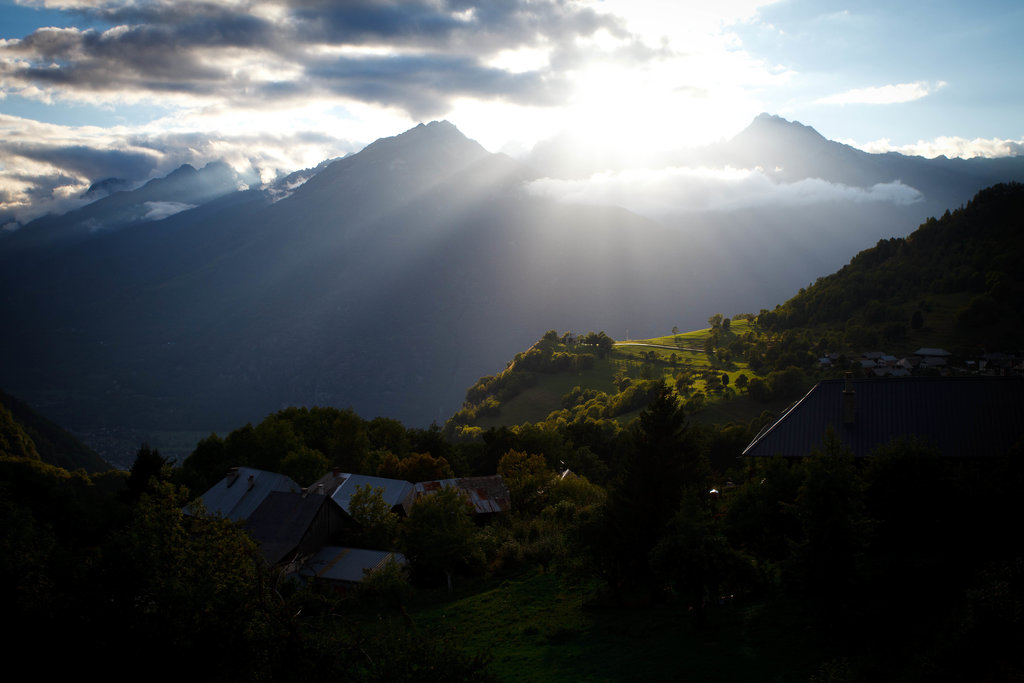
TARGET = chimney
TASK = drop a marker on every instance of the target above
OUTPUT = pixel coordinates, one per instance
(252, 481)
(232, 475)
(849, 402)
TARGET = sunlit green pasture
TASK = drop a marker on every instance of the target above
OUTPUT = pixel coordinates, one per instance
(662, 357)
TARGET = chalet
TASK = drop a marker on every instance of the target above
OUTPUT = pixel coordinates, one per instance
(241, 491)
(959, 416)
(289, 526)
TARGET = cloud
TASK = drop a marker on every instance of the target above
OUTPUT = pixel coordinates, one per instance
(428, 51)
(948, 146)
(667, 192)
(885, 94)
(156, 211)
(46, 168)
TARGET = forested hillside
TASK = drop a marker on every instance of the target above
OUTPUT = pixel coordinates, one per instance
(959, 275)
(24, 433)
(953, 283)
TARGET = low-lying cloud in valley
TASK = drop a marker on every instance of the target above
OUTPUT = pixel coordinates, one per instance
(159, 210)
(667, 192)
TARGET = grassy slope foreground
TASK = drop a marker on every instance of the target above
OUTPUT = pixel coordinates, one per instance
(549, 633)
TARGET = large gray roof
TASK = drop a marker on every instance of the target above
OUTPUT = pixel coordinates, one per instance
(280, 522)
(962, 417)
(238, 494)
(396, 491)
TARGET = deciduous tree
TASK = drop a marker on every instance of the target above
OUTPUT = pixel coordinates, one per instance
(438, 534)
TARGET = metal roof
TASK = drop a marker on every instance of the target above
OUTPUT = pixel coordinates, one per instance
(487, 494)
(969, 416)
(924, 351)
(238, 494)
(326, 484)
(396, 491)
(280, 522)
(347, 564)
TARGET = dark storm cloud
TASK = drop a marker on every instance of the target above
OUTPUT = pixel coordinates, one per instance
(88, 162)
(423, 84)
(489, 26)
(196, 49)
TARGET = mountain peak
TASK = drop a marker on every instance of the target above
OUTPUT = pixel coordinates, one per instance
(772, 124)
(443, 132)
(422, 155)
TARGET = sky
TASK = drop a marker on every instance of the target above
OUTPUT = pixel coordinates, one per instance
(94, 89)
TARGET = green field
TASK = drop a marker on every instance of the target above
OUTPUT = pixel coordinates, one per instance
(658, 357)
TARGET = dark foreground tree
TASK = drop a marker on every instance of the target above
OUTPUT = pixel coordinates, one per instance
(659, 463)
(439, 534)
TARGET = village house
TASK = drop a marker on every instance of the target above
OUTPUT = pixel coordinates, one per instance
(970, 416)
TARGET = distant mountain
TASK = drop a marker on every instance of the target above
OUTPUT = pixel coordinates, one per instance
(389, 281)
(789, 151)
(116, 208)
(107, 186)
(792, 151)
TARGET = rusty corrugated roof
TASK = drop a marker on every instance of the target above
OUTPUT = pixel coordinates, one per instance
(487, 494)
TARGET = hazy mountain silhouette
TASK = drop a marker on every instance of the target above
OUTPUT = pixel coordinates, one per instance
(388, 282)
(793, 151)
(117, 208)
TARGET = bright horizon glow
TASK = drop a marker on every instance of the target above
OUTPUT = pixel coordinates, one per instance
(274, 86)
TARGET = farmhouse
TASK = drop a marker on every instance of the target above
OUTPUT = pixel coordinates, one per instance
(241, 491)
(288, 526)
(958, 416)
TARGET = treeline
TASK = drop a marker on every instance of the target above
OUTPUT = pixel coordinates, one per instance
(305, 443)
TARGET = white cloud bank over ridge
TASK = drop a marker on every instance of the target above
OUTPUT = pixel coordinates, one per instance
(668, 192)
(948, 146)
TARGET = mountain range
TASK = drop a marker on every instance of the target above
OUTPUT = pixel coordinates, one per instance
(388, 281)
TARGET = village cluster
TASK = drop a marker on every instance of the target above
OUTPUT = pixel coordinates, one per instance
(301, 530)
